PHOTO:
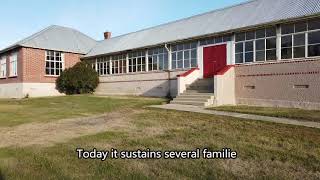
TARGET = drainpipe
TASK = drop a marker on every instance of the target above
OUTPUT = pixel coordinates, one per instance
(169, 68)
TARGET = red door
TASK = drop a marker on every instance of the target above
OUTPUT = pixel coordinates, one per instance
(214, 59)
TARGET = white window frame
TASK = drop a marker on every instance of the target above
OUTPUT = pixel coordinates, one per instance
(55, 62)
(103, 66)
(3, 67)
(184, 48)
(265, 38)
(13, 62)
(134, 64)
(119, 64)
(306, 45)
(154, 56)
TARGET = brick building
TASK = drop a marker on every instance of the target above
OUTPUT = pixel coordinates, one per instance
(261, 52)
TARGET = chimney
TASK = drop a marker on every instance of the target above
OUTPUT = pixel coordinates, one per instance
(107, 35)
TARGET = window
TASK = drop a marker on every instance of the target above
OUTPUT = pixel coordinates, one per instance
(184, 56)
(14, 64)
(255, 46)
(3, 67)
(215, 40)
(119, 65)
(103, 66)
(301, 39)
(157, 59)
(137, 61)
(54, 63)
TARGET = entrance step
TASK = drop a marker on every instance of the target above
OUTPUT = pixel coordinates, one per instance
(200, 93)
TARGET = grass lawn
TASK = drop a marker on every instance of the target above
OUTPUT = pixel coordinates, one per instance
(16, 112)
(293, 113)
(265, 150)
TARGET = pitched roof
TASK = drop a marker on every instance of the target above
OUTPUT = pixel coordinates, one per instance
(57, 38)
(251, 13)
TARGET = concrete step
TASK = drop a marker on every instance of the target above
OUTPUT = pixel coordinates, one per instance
(193, 103)
(200, 88)
(198, 91)
(197, 94)
(191, 99)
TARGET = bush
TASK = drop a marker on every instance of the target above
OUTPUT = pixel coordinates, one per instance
(80, 79)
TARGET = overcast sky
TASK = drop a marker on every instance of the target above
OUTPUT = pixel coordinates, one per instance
(20, 19)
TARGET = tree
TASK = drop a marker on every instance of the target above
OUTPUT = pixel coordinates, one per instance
(79, 79)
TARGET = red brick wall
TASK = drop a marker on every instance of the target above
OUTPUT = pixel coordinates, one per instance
(18, 78)
(34, 65)
(276, 83)
(31, 66)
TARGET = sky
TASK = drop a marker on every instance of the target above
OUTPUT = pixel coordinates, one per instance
(20, 19)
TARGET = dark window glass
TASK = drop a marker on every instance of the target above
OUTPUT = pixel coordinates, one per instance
(186, 55)
(180, 55)
(193, 62)
(239, 58)
(299, 39)
(271, 55)
(287, 29)
(314, 24)
(249, 46)
(240, 37)
(180, 64)
(299, 52)
(194, 54)
(314, 50)
(286, 41)
(239, 47)
(187, 46)
(226, 38)
(270, 32)
(250, 35)
(314, 37)
(260, 55)
(260, 44)
(286, 53)
(300, 27)
(194, 45)
(261, 33)
(218, 40)
(271, 43)
(174, 48)
(180, 47)
(249, 57)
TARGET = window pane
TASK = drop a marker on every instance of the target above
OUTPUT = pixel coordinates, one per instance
(260, 55)
(180, 55)
(314, 50)
(271, 55)
(299, 52)
(249, 57)
(250, 35)
(179, 64)
(287, 29)
(194, 63)
(300, 27)
(239, 58)
(194, 54)
(218, 40)
(260, 44)
(194, 45)
(314, 24)
(226, 38)
(239, 47)
(286, 53)
(271, 43)
(187, 63)
(261, 33)
(186, 54)
(249, 46)
(187, 46)
(272, 31)
(299, 39)
(314, 37)
(240, 36)
(286, 41)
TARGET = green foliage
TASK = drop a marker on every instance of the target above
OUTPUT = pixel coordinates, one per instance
(80, 79)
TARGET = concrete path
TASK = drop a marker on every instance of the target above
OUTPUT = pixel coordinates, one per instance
(238, 115)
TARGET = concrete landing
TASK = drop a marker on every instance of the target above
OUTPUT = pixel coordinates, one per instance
(198, 109)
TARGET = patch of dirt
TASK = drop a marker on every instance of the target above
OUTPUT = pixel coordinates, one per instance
(48, 134)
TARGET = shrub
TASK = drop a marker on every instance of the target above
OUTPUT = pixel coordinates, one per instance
(79, 79)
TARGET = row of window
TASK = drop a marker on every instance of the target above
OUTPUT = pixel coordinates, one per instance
(13, 65)
(298, 40)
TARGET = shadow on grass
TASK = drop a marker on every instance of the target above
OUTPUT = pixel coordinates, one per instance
(1, 175)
